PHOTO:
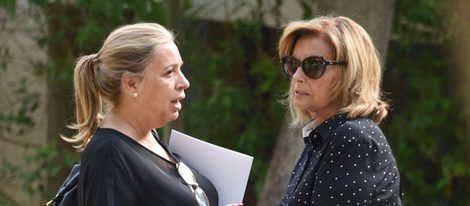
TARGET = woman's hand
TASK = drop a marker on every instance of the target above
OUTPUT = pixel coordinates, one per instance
(235, 204)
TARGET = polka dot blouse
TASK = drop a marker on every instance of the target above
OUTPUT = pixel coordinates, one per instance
(345, 162)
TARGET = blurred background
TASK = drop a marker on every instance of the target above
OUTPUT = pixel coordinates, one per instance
(230, 53)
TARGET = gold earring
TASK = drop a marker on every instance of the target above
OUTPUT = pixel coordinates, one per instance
(135, 94)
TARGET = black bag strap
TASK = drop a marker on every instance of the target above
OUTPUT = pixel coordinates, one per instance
(69, 183)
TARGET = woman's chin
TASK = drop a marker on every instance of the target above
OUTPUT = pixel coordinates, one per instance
(174, 116)
(170, 118)
(300, 106)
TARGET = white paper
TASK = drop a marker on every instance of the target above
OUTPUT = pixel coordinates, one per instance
(226, 169)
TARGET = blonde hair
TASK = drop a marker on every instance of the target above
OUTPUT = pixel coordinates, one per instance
(357, 86)
(97, 77)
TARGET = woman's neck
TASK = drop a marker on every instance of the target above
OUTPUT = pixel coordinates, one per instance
(323, 115)
(125, 123)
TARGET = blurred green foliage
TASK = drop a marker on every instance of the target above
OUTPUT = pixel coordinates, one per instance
(13, 123)
(235, 85)
(232, 101)
(4, 203)
(423, 127)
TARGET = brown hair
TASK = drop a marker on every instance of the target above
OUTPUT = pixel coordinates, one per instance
(97, 77)
(357, 87)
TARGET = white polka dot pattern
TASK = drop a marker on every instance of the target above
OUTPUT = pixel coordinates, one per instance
(345, 162)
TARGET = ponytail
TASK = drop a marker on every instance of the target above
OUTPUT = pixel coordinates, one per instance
(88, 101)
(97, 77)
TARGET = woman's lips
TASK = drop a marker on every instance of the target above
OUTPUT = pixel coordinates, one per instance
(300, 92)
(177, 104)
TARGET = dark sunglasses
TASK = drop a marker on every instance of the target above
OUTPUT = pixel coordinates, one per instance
(188, 177)
(313, 66)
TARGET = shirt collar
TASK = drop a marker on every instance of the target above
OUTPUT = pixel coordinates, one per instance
(308, 128)
(326, 128)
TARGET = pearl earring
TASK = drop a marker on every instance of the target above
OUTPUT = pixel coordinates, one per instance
(135, 94)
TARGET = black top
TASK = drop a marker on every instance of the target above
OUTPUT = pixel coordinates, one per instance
(345, 162)
(116, 170)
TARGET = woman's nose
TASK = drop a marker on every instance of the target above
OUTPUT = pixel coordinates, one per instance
(183, 83)
(298, 75)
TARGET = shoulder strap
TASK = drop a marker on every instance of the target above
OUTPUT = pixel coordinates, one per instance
(69, 184)
(165, 146)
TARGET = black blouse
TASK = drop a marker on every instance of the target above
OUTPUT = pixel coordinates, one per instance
(345, 162)
(116, 170)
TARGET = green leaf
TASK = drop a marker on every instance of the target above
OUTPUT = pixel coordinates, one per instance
(9, 6)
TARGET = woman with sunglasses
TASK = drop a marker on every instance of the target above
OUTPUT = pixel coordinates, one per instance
(132, 85)
(335, 95)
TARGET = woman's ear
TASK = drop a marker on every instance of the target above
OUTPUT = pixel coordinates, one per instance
(131, 84)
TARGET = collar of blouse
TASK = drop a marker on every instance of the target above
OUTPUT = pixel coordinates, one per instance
(325, 129)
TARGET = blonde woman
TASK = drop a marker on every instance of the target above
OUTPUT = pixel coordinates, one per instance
(335, 94)
(132, 85)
